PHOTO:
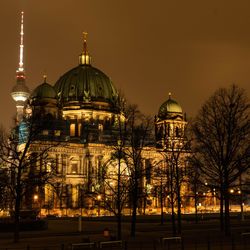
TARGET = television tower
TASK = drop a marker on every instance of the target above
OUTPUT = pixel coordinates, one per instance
(20, 91)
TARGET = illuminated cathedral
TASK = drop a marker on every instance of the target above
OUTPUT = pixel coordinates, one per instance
(84, 107)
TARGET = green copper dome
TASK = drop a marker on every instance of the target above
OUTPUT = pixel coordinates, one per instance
(44, 90)
(170, 109)
(85, 85)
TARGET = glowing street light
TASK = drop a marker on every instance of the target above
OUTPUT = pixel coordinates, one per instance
(99, 197)
(35, 197)
(37, 204)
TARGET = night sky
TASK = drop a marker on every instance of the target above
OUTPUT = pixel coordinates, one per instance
(148, 48)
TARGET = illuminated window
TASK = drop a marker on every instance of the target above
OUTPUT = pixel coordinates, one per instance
(74, 168)
(57, 132)
(48, 167)
(100, 127)
(177, 132)
(72, 129)
(45, 132)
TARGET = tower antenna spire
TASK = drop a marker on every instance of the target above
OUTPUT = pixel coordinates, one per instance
(21, 66)
(20, 92)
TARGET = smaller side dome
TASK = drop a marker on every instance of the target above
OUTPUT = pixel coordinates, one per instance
(43, 101)
(44, 90)
(170, 109)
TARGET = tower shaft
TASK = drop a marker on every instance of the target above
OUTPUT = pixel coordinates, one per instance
(20, 91)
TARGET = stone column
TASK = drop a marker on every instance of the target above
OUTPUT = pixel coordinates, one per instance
(74, 196)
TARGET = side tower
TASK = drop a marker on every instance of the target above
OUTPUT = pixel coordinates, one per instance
(170, 124)
(20, 91)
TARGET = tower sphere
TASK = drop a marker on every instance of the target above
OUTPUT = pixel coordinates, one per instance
(20, 92)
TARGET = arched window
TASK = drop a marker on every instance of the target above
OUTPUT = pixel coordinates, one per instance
(74, 168)
(79, 129)
(72, 129)
(177, 132)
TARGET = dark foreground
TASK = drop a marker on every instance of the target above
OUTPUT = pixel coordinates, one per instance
(62, 233)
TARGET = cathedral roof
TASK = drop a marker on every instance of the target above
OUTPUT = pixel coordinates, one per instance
(44, 90)
(85, 84)
(170, 109)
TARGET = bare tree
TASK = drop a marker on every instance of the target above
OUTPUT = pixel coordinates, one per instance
(111, 187)
(5, 198)
(221, 147)
(114, 187)
(161, 186)
(175, 157)
(196, 184)
(124, 184)
(138, 127)
(20, 161)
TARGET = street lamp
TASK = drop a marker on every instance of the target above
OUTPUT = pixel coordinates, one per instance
(37, 205)
(35, 197)
(214, 196)
(99, 197)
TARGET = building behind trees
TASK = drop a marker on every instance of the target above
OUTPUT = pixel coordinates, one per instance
(83, 122)
(82, 115)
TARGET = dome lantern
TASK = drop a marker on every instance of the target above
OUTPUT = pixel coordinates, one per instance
(84, 58)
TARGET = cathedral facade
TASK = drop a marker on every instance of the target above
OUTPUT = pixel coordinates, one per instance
(83, 119)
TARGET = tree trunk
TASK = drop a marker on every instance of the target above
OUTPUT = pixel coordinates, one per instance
(227, 205)
(133, 219)
(161, 201)
(17, 217)
(179, 211)
(173, 218)
(227, 215)
(195, 202)
(221, 208)
(241, 209)
(172, 201)
(134, 207)
(196, 211)
(17, 206)
(119, 212)
(119, 225)
(144, 203)
(241, 201)
(178, 197)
